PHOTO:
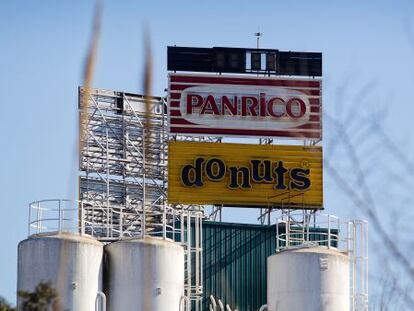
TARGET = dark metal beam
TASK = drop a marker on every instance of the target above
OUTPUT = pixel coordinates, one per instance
(240, 60)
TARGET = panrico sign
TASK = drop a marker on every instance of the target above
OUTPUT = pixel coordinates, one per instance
(224, 105)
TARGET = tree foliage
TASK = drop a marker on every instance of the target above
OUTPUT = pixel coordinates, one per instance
(5, 306)
(42, 299)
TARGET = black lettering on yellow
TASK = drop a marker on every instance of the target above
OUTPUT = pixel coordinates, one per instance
(264, 174)
(239, 178)
(280, 171)
(259, 171)
(215, 169)
(300, 179)
(191, 175)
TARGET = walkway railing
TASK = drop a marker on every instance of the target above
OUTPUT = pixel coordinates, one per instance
(55, 215)
(306, 228)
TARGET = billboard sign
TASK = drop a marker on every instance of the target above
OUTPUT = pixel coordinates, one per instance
(245, 175)
(239, 106)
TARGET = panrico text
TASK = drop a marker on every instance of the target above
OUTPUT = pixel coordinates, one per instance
(248, 105)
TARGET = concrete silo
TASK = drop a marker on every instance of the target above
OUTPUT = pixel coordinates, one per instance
(308, 278)
(71, 262)
(144, 274)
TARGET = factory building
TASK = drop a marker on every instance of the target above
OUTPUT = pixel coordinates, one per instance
(238, 128)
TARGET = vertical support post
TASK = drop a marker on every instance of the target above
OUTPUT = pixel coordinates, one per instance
(302, 231)
(339, 232)
(121, 219)
(164, 222)
(189, 281)
(60, 216)
(92, 220)
(329, 231)
(182, 224)
(366, 266)
(269, 212)
(277, 236)
(30, 219)
(108, 229)
(220, 211)
(144, 215)
(173, 224)
(201, 261)
(38, 218)
(288, 232)
(82, 220)
(353, 265)
(197, 252)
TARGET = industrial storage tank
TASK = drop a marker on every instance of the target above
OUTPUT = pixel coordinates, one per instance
(71, 262)
(308, 278)
(144, 274)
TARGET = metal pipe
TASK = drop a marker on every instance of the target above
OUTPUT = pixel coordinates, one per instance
(213, 303)
(220, 303)
(263, 308)
(186, 306)
(100, 296)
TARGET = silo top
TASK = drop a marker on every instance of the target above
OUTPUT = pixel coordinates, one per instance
(71, 237)
(313, 249)
(148, 241)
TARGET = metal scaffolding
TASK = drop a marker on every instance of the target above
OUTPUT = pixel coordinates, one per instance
(123, 178)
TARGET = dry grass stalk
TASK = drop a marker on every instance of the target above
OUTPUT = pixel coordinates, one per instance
(147, 89)
(89, 70)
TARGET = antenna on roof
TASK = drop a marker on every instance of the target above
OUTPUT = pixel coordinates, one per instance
(258, 35)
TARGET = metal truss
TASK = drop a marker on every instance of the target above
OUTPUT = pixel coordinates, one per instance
(123, 164)
(123, 178)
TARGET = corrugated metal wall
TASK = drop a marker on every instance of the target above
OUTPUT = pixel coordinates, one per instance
(234, 262)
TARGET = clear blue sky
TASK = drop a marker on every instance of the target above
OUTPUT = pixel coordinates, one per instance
(42, 49)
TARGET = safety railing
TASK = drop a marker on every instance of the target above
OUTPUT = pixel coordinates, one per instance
(104, 222)
(305, 228)
(114, 222)
(54, 215)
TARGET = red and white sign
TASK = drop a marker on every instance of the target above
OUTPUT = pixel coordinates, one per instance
(240, 106)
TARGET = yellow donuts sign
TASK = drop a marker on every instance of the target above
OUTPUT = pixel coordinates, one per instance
(245, 175)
